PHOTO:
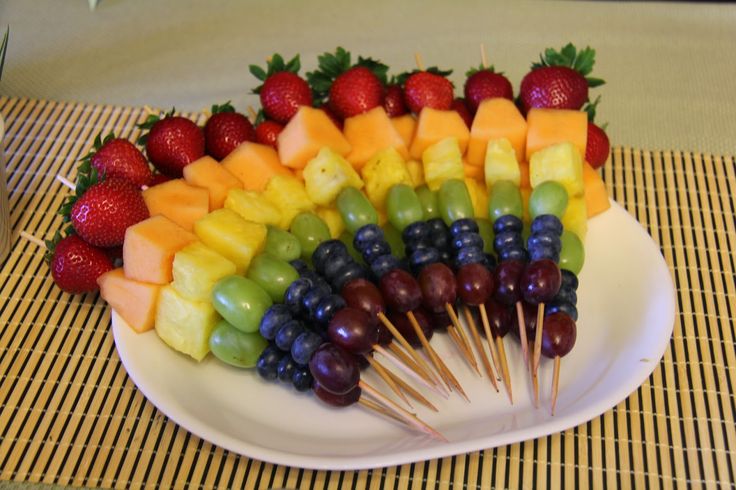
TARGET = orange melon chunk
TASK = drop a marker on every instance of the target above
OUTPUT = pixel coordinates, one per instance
(209, 174)
(434, 125)
(596, 196)
(149, 248)
(306, 134)
(369, 133)
(254, 165)
(496, 118)
(405, 126)
(551, 126)
(524, 181)
(473, 172)
(134, 301)
(180, 202)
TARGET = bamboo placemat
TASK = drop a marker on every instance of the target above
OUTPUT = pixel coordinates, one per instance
(69, 414)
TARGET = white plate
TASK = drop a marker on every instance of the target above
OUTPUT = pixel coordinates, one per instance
(627, 308)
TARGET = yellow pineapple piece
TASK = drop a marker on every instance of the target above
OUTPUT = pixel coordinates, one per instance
(231, 236)
(575, 218)
(442, 161)
(501, 163)
(253, 206)
(326, 175)
(383, 171)
(185, 325)
(196, 270)
(333, 219)
(478, 196)
(288, 194)
(562, 163)
(416, 171)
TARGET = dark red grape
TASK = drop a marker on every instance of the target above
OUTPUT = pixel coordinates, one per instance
(438, 286)
(334, 369)
(364, 295)
(405, 328)
(540, 281)
(353, 330)
(335, 400)
(474, 284)
(440, 320)
(499, 317)
(558, 335)
(384, 335)
(401, 291)
(507, 276)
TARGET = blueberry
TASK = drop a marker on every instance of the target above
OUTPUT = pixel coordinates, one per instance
(469, 255)
(273, 318)
(566, 295)
(268, 361)
(325, 251)
(302, 379)
(286, 368)
(463, 225)
(569, 280)
(304, 346)
(347, 274)
(327, 308)
(333, 266)
(415, 232)
(445, 257)
(295, 293)
(367, 234)
(420, 245)
(373, 250)
(299, 265)
(490, 261)
(506, 240)
(508, 222)
(421, 258)
(467, 239)
(287, 333)
(544, 239)
(312, 298)
(547, 222)
(544, 252)
(440, 242)
(568, 308)
(438, 226)
(514, 253)
(381, 265)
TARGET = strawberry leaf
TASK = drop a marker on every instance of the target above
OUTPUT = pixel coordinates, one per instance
(51, 245)
(591, 107)
(581, 61)
(594, 82)
(260, 117)
(379, 69)
(226, 107)
(475, 70)
(258, 72)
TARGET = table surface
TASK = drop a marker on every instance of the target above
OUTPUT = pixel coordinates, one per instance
(670, 70)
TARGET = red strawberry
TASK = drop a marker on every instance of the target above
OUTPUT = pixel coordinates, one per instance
(560, 80)
(460, 106)
(225, 130)
(267, 132)
(158, 179)
(75, 264)
(598, 147)
(484, 83)
(355, 91)
(427, 89)
(333, 117)
(117, 157)
(282, 91)
(393, 101)
(172, 143)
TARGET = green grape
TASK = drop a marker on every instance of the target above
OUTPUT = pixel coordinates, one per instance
(393, 237)
(347, 238)
(282, 244)
(454, 201)
(310, 230)
(549, 197)
(485, 229)
(403, 206)
(240, 301)
(505, 199)
(428, 200)
(234, 347)
(273, 275)
(356, 210)
(572, 255)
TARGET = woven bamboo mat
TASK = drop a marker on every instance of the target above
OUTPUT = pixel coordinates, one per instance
(69, 414)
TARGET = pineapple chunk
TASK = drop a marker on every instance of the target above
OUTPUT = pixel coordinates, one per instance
(334, 221)
(562, 163)
(196, 270)
(416, 171)
(575, 218)
(478, 196)
(383, 171)
(326, 175)
(185, 325)
(501, 163)
(231, 236)
(443, 161)
(288, 194)
(252, 206)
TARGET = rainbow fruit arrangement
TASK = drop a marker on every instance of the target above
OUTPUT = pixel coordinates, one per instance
(360, 214)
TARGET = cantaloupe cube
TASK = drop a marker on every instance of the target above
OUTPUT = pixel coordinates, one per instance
(185, 325)
(478, 196)
(254, 165)
(416, 171)
(386, 169)
(548, 127)
(473, 172)
(435, 125)
(333, 219)
(496, 118)
(575, 218)
(180, 202)
(501, 162)
(149, 248)
(562, 163)
(327, 174)
(288, 194)
(134, 301)
(596, 196)
(231, 236)
(252, 206)
(196, 270)
(405, 125)
(442, 161)
(209, 174)
(306, 134)
(370, 132)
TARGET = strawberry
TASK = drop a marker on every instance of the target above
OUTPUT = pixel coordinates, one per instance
(484, 83)
(118, 157)
(393, 101)
(158, 179)
(172, 142)
(460, 106)
(598, 146)
(267, 132)
(428, 88)
(75, 264)
(333, 117)
(560, 80)
(283, 90)
(352, 88)
(225, 130)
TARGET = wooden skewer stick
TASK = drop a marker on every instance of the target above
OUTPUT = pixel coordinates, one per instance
(411, 419)
(408, 370)
(252, 114)
(381, 371)
(489, 339)
(66, 182)
(538, 337)
(468, 351)
(505, 367)
(381, 410)
(479, 346)
(418, 61)
(522, 332)
(411, 391)
(555, 383)
(483, 57)
(404, 343)
(452, 332)
(32, 239)
(535, 381)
